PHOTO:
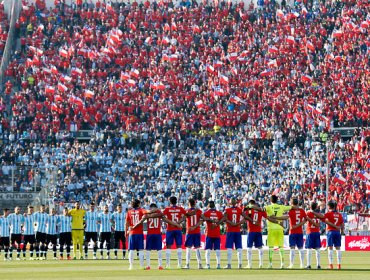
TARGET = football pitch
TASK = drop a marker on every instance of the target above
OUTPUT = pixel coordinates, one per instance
(356, 265)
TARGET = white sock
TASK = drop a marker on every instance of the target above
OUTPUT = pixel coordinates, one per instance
(188, 254)
(249, 256)
(168, 257)
(141, 258)
(148, 258)
(260, 255)
(309, 255)
(239, 255)
(330, 256)
(179, 256)
(301, 256)
(130, 257)
(199, 257)
(160, 258)
(208, 257)
(318, 256)
(218, 257)
(229, 256)
(339, 256)
(291, 256)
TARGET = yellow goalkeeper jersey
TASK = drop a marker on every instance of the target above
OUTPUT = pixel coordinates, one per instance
(278, 211)
(77, 218)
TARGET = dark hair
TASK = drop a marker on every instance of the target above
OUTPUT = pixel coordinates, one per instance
(252, 201)
(135, 203)
(295, 201)
(30, 206)
(66, 208)
(43, 205)
(153, 205)
(331, 204)
(6, 209)
(191, 201)
(212, 204)
(313, 206)
(91, 204)
(173, 200)
(274, 198)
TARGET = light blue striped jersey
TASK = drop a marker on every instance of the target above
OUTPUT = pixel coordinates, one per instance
(4, 227)
(52, 223)
(29, 224)
(119, 221)
(64, 223)
(91, 219)
(15, 221)
(40, 221)
(105, 223)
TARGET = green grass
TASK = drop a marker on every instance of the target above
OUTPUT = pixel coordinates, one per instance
(355, 266)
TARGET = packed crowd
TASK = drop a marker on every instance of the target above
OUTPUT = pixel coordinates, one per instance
(195, 98)
(4, 27)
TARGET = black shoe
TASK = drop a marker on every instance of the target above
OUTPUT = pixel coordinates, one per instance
(318, 267)
(308, 267)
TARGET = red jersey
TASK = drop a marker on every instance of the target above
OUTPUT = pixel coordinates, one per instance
(335, 218)
(233, 214)
(174, 214)
(193, 220)
(155, 224)
(256, 216)
(295, 217)
(132, 218)
(310, 227)
(212, 229)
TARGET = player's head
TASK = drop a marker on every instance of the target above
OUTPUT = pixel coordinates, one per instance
(153, 206)
(313, 206)
(52, 211)
(17, 210)
(173, 200)
(119, 208)
(92, 206)
(294, 201)
(252, 202)
(331, 205)
(77, 205)
(274, 199)
(212, 204)
(106, 209)
(191, 202)
(135, 203)
(6, 211)
(30, 209)
(232, 201)
(42, 208)
(65, 211)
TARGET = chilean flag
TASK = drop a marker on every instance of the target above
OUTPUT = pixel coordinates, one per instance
(62, 87)
(210, 69)
(133, 26)
(368, 163)
(280, 13)
(310, 46)
(338, 178)
(306, 79)
(272, 63)
(161, 86)
(173, 57)
(290, 40)
(166, 27)
(49, 89)
(89, 93)
(200, 104)
(131, 82)
(165, 41)
(196, 29)
(76, 71)
(134, 73)
(266, 73)
(364, 175)
(337, 34)
(217, 64)
(365, 24)
(63, 53)
(224, 80)
(273, 50)
(233, 56)
(125, 76)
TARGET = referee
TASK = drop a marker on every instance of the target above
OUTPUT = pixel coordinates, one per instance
(77, 215)
(65, 233)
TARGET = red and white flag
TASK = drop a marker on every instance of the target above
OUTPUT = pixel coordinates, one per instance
(279, 13)
(200, 104)
(89, 94)
(131, 82)
(290, 40)
(63, 53)
(76, 71)
(125, 76)
(272, 63)
(196, 29)
(338, 178)
(210, 69)
(49, 90)
(224, 80)
(134, 73)
(338, 34)
(273, 50)
(62, 87)
(306, 79)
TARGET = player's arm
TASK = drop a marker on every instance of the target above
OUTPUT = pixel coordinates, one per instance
(281, 218)
(228, 221)
(364, 214)
(191, 213)
(154, 215)
(255, 207)
(319, 215)
(196, 225)
(304, 220)
(326, 221)
(312, 222)
(168, 221)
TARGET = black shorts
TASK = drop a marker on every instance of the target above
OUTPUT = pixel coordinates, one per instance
(41, 237)
(16, 238)
(51, 238)
(91, 236)
(4, 241)
(120, 236)
(105, 236)
(65, 238)
(30, 238)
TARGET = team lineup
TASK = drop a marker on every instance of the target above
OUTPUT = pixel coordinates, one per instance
(77, 228)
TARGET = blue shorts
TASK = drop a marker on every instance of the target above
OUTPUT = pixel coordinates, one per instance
(313, 241)
(213, 243)
(192, 240)
(296, 239)
(233, 238)
(173, 236)
(334, 238)
(254, 238)
(153, 242)
(136, 242)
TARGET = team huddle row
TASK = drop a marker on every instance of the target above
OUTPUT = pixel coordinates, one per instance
(80, 227)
